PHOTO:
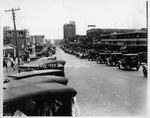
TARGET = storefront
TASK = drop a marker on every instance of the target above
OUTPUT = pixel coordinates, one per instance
(9, 50)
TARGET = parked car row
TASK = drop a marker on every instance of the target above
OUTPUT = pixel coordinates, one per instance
(111, 58)
(40, 89)
(80, 53)
(35, 63)
(123, 61)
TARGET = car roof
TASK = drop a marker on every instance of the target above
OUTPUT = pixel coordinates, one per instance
(115, 53)
(53, 61)
(37, 63)
(37, 79)
(46, 58)
(94, 51)
(34, 73)
(130, 54)
(26, 91)
(104, 53)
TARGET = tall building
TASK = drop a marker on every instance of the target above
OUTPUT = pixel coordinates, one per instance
(72, 22)
(69, 31)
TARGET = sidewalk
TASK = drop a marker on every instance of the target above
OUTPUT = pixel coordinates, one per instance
(8, 71)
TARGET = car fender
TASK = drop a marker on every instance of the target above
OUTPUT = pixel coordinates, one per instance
(119, 62)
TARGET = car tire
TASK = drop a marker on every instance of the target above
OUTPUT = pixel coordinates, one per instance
(97, 61)
(137, 68)
(106, 63)
(111, 63)
(119, 66)
(144, 73)
(127, 67)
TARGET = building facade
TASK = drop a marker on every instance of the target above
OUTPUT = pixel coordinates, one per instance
(95, 37)
(95, 33)
(69, 31)
(9, 39)
(131, 42)
(36, 42)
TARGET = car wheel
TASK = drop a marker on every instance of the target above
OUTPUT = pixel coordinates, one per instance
(145, 73)
(119, 66)
(97, 60)
(111, 63)
(137, 68)
(127, 67)
(106, 63)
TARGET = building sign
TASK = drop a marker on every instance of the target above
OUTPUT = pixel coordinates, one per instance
(91, 25)
(11, 34)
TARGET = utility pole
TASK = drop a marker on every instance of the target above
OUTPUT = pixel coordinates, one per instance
(13, 14)
(147, 15)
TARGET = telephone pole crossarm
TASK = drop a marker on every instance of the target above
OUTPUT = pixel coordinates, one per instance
(12, 10)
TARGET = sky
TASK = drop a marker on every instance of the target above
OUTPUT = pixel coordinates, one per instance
(47, 17)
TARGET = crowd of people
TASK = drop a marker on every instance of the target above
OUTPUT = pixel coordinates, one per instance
(12, 62)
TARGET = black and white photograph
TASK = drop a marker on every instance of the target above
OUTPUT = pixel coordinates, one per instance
(74, 58)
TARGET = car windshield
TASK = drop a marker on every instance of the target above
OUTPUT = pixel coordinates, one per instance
(114, 56)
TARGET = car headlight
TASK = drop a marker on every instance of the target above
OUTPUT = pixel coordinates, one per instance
(59, 65)
(41, 65)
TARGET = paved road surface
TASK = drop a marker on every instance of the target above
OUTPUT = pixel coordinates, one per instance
(105, 90)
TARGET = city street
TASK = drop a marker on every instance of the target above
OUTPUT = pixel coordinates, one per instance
(105, 90)
(75, 37)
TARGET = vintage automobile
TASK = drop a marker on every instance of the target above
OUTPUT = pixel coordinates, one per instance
(70, 51)
(129, 61)
(113, 58)
(77, 53)
(92, 55)
(34, 58)
(36, 79)
(40, 99)
(81, 55)
(102, 57)
(39, 54)
(52, 64)
(42, 65)
(145, 70)
(47, 58)
(18, 76)
(142, 57)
